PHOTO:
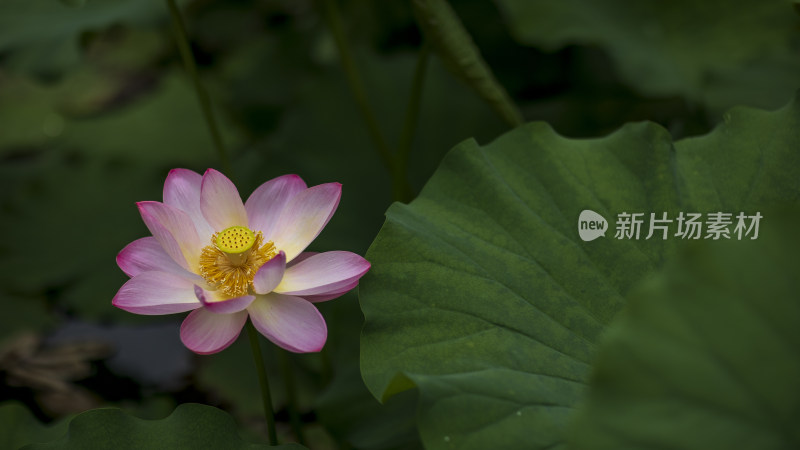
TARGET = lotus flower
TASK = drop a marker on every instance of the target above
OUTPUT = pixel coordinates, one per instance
(224, 260)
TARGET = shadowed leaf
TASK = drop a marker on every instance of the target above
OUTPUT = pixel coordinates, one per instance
(190, 425)
(720, 54)
(706, 354)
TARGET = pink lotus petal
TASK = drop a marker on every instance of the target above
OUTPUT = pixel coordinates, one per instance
(205, 332)
(323, 274)
(270, 274)
(175, 231)
(182, 191)
(147, 255)
(265, 204)
(331, 295)
(301, 257)
(304, 217)
(216, 302)
(220, 202)
(164, 239)
(156, 293)
(289, 322)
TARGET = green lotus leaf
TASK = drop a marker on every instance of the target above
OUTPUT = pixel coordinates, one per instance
(19, 427)
(482, 294)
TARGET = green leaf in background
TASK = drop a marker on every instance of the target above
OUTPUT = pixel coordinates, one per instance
(720, 54)
(189, 426)
(69, 217)
(18, 427)
(482, 295)
(47, 30)
(144, 131)
(147, 131)
(707, 353)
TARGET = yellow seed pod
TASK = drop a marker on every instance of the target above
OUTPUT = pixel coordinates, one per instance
(235, 240)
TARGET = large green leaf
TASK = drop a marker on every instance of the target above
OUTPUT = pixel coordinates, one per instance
(190, 425)
(724, 54)
(482, 295)
(707, 353)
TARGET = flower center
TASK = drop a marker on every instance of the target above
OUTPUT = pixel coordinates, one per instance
(233, 258)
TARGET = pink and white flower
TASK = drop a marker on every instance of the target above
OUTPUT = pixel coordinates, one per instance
(225, 260)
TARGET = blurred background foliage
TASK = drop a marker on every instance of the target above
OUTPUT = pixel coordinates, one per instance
(95, 108)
